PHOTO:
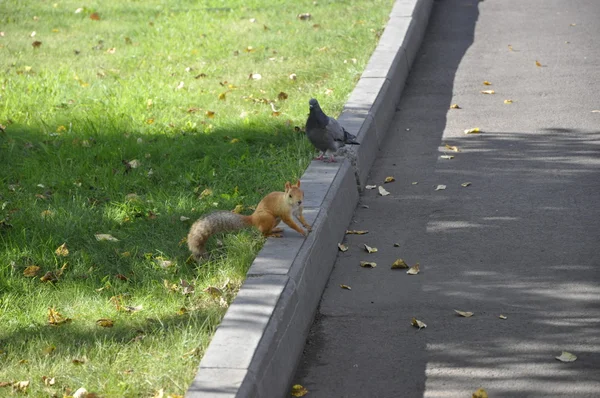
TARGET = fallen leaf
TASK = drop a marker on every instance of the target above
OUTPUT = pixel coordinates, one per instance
(62, 250)
(222, 96)
(255, 76)
(566, 357)
(388, 180)
(76, 361)
(596, 111)
(396, 244)
(132, 308)
(474, 130)
(293, 76)
(113, 50)
(183, 218)
(342, 247)
(418, 324)
(55, 318)
(48, 381)
(415, 183)
(31, 271)
(49, 349)
(370, 186)
(121, 277)
(105, 323)
(368, 264)
(414, 270)
(21, 386)
(134, 164)
(180, 85)
(466, 314)
(465, 184)
(488, 92)
(510, 48)
(94, 16)
(455, 106)
(346, 287)
(108, 237)
(304, 17)
(480, 393)
(209, 114)
(508, 101)
(36, 44)
(370, 249)
(447, 156)
(452, 148)
(399, 264)
(356, 232)
(538, 64)
(187, 288)
(487, 83)
(49, 277)
(298, 390)
(213, 291)
(382, 191)
(282, 96)
(440, 187)
(502, 316)
(249, 49)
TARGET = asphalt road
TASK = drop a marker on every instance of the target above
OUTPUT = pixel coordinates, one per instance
(523, 240)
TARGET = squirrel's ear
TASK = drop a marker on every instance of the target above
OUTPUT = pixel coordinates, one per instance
(298, 184)
(287, 185)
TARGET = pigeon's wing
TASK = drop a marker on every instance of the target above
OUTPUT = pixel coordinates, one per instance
(350, 138)
(321, 139)
(335, 130)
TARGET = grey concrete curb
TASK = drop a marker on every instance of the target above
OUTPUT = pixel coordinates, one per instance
(256, 348)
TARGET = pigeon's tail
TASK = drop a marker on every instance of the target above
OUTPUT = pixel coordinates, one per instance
(350, 139)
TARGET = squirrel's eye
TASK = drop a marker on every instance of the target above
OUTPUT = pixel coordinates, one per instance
(290, 196)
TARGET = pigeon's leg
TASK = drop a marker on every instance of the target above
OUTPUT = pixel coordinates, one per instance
(320, 157)
(331, 158)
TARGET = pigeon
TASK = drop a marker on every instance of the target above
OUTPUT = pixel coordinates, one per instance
(326, 133)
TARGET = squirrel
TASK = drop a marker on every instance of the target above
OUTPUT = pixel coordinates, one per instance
(273, 208)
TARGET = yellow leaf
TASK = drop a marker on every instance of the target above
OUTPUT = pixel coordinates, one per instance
(566, 357)
(150, 121)
(56, 318)
(297, 389)
(389, 179)
(105, 323)
(346, 287)
(62, 250)
(508, 101)
(249, 49)
(49, 349)
(342, 247)
(31, 271)
(238, 209)
(452, 148)
(502, 316)
(487, 83)
(399, 263)
(205, 193)
(234, 141)
(111, 50)
(510, 48)
(538, 64)
(210, 114)
(417, 323)
(481, 393)
(465, 184)
(368, 264)
(475, 130)
(455, 106)
(382, 191)
(414, 270)
(355, 232)
(182, 311)
(370, 249)
(488, 92)
(465, 314)
(222, 96)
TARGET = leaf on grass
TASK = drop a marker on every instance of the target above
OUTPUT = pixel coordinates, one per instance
(105, 323)
(418, 324)
(356, 232)
(566, 357)
(474, 130)
(370, 186)
(465, 314)
(538, 64)
(346, 287)
(465, 184)
(31, 271)
(382, 191)
(342, 247)
(76, 361)
(487, 83)
(298, 390)
(213, 291)
(368, 264)
(49, 277)
(452, 148)
(389, 179)
(222, 96)
(21, 386)
(399, 264)
(56, 318)
(455, 106)
(48, 381)
(502, 316)
(508, 101)
(62, 250)
(187, 288)
(95, 16)
(370, 249)
(282, 96)
(183, 218)
(480, 393)
(488, 92)
(108, 237)
(209, 114)
(255, 76)
(304, 17)
(414, 270)
(49, 349)
(440, 187)
(293, 76)
(447, 156)
(36, 44)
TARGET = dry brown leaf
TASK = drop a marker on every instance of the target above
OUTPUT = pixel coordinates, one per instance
(346, 287)
(382, 191)
(95, 16)
(36, 44)
(31, 271)
(282, 96)
(105, 323)
(455, 106)
(76, 361)
(399, 264)
(508, 101)
(396, 244)
(486, 83)
(388, 180)
(452, 148)
(465, 314)
(488, 92)
(62, 250)
(418, 324)
(566, 357)
(538, 64)
(368, 264)
(342, 247)
(213, 291)
(55, 318)
(480, 393)
(356, 232)
(305, 16)
(414, 270)
(49, 277)
(475, 130)
(132, 308)
(186, 287)
(370, 249)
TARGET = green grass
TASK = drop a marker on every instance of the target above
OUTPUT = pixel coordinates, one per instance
(75, 112)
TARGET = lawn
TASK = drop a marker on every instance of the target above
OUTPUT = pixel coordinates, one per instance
(132, 119)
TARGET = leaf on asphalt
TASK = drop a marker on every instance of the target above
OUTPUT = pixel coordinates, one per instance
(105, 323)
(440, 187)
(418, 324)
(346, 287)
(399, 264)
(414, 270)
(396, 244)
(56, 318)
(356, 232)
(31, 271)
(480, 393)
(465, 184)
(297, 389)
(389, 179)
(370, 186)
(474, 130)
(368, 264)
(48, 381)
(452, 148)
(566, 357)
(370, 249)
(502, 316)
(510, 48)
(62, 250)
(465, 314)
(487, 83)
(77, 361)
(447, 156)
(596, 111)
(223, 96)
(342, 247)
(455, 106)
(382, 191)
(488, 92)
(508, 101)
(415, 183)
(108, 237)
(538, 64)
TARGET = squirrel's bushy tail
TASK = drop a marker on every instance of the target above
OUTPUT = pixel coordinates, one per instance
(219, 221)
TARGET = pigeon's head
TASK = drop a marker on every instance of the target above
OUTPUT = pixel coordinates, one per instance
(313, 104)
